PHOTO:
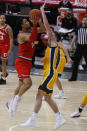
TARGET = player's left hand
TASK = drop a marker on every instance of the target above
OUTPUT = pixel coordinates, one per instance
(69, 60)
(42, 60)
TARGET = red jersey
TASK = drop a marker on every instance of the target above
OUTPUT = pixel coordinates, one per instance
(4, 36)
(26, 49)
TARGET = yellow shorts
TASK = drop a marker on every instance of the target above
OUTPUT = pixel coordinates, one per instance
(49, 78)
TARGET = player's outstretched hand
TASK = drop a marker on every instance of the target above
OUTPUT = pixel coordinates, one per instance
(34, 19)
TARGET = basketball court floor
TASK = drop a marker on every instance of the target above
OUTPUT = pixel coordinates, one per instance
(74, 92)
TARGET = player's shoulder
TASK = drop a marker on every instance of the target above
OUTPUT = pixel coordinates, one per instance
(21, 36)
(8, 27)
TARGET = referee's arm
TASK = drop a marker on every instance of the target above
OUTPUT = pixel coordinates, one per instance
(73, 40)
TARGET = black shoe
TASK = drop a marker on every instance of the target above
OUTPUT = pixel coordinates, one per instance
(2, 81)
(84, 66)
(72, 79)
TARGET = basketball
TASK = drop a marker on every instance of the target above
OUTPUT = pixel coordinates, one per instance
(35, 12)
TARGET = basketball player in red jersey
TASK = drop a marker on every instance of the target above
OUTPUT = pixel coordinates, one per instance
(24, 61)
(6, 44)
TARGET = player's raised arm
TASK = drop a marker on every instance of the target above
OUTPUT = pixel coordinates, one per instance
(52, 40)
(46, 24)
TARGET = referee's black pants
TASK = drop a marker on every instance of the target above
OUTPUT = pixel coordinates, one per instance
(81, 51)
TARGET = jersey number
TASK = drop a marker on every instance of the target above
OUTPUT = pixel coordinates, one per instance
(5, 54)
(1, 37)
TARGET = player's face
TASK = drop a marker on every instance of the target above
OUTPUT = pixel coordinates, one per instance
(2, 19)
(84, 22)
(26, 24)
(69, 14)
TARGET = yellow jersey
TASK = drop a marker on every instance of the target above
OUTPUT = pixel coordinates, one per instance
(50, 59)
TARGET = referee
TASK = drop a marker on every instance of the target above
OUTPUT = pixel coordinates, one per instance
(81, 49)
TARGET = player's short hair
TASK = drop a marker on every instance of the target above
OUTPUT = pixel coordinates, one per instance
(58, 36)
(1, 13)
(20, 21)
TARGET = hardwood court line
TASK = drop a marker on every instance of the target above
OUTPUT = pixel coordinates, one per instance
(7, 88)
(12, 127)
(75, 121)
(71, 88)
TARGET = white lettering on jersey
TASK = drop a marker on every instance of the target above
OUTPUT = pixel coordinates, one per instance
(32, 45)
(2, 33)
(5, 54)
(1, 37)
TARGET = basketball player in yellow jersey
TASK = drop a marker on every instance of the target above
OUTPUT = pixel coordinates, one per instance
(80, 109)
(49, 78)
(61, 62)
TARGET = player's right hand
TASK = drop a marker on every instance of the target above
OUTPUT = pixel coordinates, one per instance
(34, 19)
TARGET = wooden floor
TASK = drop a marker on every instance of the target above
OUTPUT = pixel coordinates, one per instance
(46, 118)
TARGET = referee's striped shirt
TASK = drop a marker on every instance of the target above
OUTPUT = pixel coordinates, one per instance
(81, 34)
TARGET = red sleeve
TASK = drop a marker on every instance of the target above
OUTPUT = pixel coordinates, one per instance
(33, 35)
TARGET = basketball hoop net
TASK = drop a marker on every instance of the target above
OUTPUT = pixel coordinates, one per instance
(81, 3)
